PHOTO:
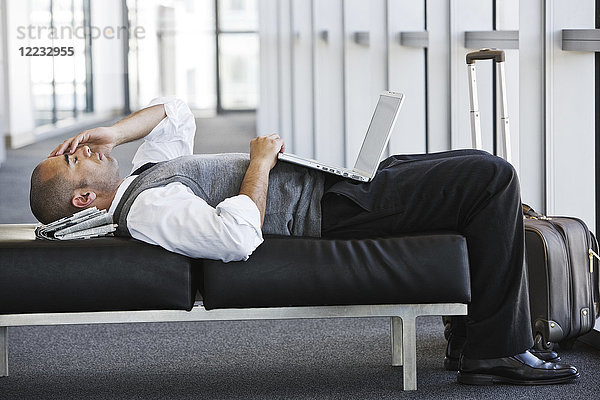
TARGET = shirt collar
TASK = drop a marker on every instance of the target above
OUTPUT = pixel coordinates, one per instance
(120, 191)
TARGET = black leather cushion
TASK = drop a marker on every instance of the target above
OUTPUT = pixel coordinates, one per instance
(101, 274)
(312, 271)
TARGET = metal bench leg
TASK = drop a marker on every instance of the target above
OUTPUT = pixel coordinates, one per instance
(396, 336)
(3, 351)
(409, 351)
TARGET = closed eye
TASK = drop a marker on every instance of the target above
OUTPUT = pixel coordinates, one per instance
(68, 160)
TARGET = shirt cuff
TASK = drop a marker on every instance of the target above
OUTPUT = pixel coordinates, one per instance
(160, 100)
(171, 105)
(244, 211)
(179, 121)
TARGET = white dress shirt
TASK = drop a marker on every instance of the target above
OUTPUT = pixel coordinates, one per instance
(172, 216)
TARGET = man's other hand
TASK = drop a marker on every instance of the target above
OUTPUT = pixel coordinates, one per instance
(100, 140)
(264, 149)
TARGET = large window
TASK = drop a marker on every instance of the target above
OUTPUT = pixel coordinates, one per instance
(202, 51)
(61, 86)
(237, 56)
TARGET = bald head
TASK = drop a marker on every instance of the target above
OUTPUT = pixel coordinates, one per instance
(65, 184)
(50, 193)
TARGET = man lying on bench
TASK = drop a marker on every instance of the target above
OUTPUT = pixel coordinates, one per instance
(219, 206)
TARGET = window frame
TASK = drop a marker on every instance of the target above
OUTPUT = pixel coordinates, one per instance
(89, 96)
(218, 33)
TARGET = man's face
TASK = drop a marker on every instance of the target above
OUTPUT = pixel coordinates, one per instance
(94, 170)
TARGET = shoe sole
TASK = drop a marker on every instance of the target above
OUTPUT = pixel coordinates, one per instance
(486, 380)
(451, 364)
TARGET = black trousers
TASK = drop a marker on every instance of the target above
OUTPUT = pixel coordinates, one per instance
(467, 191)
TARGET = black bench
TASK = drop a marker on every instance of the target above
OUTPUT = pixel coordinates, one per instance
(117, 280)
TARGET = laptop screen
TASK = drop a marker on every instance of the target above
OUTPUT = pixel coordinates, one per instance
(378, 133)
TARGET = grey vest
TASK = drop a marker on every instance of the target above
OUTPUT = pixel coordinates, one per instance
(293, 198)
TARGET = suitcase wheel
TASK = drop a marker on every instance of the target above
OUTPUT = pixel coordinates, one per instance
(540, 344)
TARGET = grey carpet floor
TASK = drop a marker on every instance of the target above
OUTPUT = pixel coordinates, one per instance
(303, 359)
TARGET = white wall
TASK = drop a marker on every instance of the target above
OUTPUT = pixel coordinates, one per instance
(3, 81)
(550, 91)
(328, 104)
(18, 106)
(438, 75)
(267, 115)
(302, 72)
(406, 74)
(531, 99)
(469, 15)
(366, 68)
(569, 114)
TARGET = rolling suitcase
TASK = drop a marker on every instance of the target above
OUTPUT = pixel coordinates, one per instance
(561, 253)
(561, 256)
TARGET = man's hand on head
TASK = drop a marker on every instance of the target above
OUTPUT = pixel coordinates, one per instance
(100, 140)
(264, 149)
(104, 139)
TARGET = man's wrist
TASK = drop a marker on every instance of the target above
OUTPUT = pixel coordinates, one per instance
(261, 164)
(118, 134)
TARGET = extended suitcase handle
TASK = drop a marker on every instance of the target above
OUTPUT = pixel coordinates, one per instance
(529, 212)
(498, 56)
(485, 54)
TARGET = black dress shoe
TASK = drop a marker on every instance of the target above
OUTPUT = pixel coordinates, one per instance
(456, 344)
(522, 369)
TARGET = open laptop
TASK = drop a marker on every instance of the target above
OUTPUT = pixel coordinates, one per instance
(377, 137)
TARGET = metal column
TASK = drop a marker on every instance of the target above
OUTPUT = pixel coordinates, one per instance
(409, 352)
(3, 351)
(396, 335)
